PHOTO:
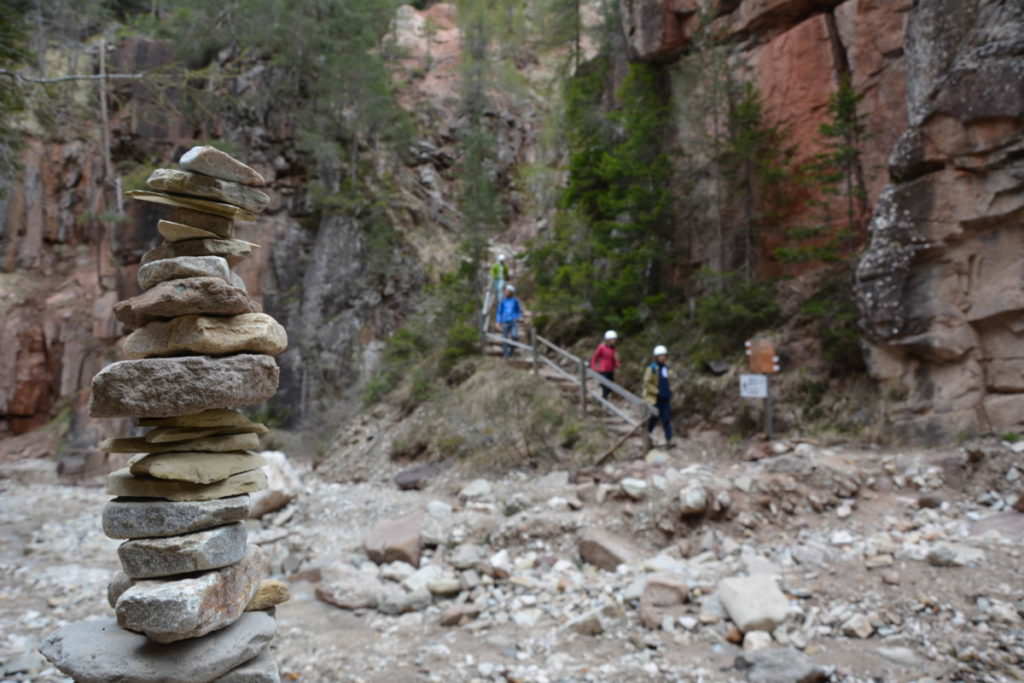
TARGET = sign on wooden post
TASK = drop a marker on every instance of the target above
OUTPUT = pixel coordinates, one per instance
(763, 362)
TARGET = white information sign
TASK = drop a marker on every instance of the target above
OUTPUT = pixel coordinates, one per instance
(754, 386)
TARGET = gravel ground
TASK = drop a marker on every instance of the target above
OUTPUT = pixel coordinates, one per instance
(865, 544)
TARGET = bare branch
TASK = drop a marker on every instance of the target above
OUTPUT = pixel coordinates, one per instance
(73, 77)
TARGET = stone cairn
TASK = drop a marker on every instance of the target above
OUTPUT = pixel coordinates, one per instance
(191, 603)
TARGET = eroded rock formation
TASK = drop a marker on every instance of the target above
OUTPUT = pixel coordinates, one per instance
(940, 286)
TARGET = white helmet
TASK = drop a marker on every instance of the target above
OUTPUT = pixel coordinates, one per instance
(501, 257)
(509, 288)
(610, 334)
(660, 350)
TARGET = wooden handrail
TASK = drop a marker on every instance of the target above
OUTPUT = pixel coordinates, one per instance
(580, 378)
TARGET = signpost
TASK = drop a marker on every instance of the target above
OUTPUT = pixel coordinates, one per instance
(763, 362)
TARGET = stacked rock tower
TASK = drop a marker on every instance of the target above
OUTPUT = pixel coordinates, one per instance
(191, 604)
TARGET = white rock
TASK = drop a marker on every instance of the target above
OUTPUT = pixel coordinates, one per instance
(841, 537)
(478, 488)
(438, 509)
(858, 626)
(693, 500)
(527, 617)
(283, 485)
(754, 603)
(423, 577)
(756, 640)
(634, 488)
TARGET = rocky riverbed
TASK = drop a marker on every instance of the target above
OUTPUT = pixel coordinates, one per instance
(838, 563)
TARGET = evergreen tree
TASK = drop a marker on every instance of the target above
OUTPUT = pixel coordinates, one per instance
(604, 261)
(13, 51)
(834, 173)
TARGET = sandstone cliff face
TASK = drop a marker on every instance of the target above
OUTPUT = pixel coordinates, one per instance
(337, 282)
(940, 285)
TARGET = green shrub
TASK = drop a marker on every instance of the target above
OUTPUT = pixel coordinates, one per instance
(834, 310)
(732, 312)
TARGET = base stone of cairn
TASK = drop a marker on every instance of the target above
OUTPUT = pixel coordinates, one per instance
(192, 604)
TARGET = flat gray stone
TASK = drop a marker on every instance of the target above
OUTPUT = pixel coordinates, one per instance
(607, 550)
(263, 669)
(780, 665)
(181, 267)
(98, 651)
(187, 296)
(209, 187)
(168, 387)
(233, 251)
(126, 518)
(148, 558)
(168, 610)
(213, 162)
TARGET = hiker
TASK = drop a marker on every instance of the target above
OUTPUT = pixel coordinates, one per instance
(658, 393)
(605, 361)
(509, 315)
(499, 276)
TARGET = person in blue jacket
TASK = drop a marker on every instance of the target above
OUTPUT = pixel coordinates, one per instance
(509, 315)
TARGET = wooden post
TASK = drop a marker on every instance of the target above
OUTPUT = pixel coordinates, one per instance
(583, 387)
(647, 433)
(536, 351)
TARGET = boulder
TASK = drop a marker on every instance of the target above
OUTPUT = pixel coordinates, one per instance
(780, 665)
(172, 610)
(394, 540)
(180, 232)
(196, 334)
(663, 596)
(123, 483)
(217, 164)
(200, 185)
(283, 484)
(348, 588)
(262, 669)
(227, 443)
(156, 518)
(754, 603)
(186, 296)
(197, 468)
(164, 387)
(955, 555)
(606, 550)
(98, 651)
(270, 594)
(147, 558)
(233, 251)
(181, 267)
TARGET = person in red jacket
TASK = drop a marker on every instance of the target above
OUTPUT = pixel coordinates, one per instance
(605, 361)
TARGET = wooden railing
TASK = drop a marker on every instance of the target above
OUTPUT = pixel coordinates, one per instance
(540, 349)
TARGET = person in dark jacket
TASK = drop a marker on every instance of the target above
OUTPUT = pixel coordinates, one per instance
(658, 392)
(509, 315)
(605, 361)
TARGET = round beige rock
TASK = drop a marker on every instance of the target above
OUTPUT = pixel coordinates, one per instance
(197, 468)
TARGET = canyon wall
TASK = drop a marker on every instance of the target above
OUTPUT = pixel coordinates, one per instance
(941, 285)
